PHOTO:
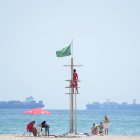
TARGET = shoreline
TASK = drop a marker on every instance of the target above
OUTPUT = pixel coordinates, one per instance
(105, 137)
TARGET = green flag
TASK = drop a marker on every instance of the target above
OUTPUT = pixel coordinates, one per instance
(64, 52)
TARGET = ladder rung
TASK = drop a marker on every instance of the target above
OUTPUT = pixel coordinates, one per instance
(73, 65)
(73, 80)
(72, 87)
(70, 93)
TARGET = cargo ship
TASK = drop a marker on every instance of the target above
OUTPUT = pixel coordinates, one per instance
(29, 103)
(110, 105)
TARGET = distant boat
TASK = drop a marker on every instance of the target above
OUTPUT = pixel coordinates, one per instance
(113, 106)
(15, 104)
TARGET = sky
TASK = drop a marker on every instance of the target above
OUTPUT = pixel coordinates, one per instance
(106, 41)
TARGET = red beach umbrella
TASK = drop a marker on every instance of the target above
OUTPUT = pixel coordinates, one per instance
(37, 111)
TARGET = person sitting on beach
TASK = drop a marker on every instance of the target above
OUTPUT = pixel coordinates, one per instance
(106, 124)
(101, 129)
(94, 130)
(44, 125)
(31, 128)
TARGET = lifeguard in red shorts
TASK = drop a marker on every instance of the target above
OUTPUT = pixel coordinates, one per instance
(75, 80)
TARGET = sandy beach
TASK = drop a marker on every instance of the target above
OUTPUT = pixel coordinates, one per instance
(20, 137)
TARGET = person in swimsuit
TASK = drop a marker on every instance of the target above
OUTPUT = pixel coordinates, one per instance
(101, 127)
(75, 80)
(94, 129)
(106, 124)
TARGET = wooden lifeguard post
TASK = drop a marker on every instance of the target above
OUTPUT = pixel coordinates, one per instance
(73, 102)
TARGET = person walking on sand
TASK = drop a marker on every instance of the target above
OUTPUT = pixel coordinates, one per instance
(75, 80)
(106, 124)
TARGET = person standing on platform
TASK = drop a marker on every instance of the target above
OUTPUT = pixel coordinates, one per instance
(75, 80)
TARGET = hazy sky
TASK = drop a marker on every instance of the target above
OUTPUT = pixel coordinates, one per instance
(106, 35)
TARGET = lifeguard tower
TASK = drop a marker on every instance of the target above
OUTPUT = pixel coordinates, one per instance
(73, 102)
(72, 92)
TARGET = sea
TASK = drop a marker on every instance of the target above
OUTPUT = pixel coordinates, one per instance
(122, 122)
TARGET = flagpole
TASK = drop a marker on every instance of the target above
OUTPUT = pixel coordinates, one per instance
(72, 95)
(72, 107)
(72, 47)
(73, 102)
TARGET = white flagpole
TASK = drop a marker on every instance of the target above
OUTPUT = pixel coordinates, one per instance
(72, 93)
(72, 48)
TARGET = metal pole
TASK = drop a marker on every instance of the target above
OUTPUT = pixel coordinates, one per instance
(72, 107)
(75, 114)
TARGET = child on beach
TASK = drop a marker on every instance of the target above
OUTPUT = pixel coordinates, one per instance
(94, 130)
(101, 129)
